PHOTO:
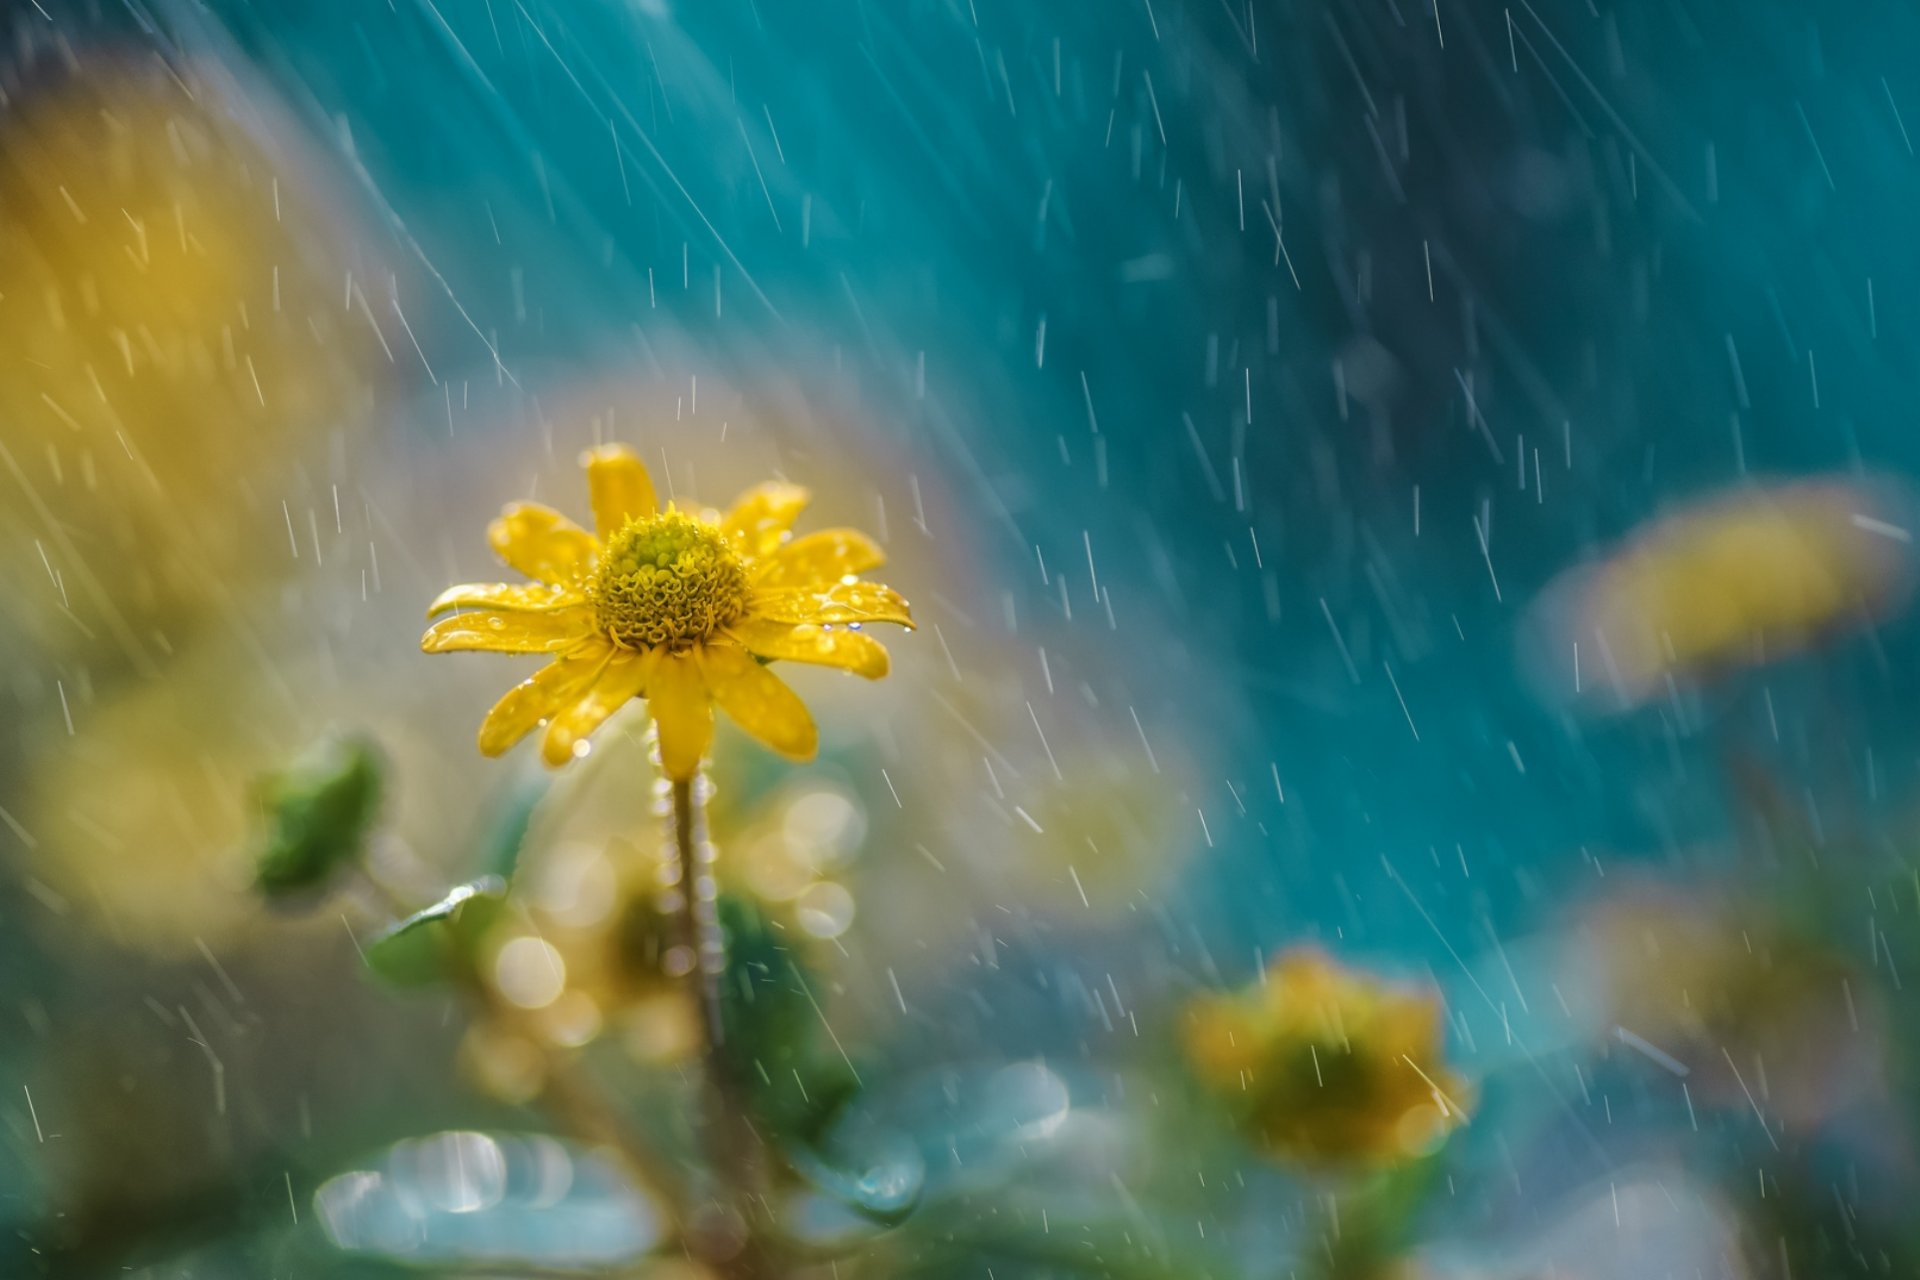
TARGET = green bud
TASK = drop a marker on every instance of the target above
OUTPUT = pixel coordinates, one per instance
(318, 813)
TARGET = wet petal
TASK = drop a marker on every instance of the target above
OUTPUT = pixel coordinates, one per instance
(759, 701)
(619, 682)
(854, 651)
(542, 543)
(683, 712)
(515, 597)
(498, 631)
(762, 514)
(539, 698)
(841, 603)
(620, 488)
(821, 559)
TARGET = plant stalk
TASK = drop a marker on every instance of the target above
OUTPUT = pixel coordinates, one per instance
(735, 1159)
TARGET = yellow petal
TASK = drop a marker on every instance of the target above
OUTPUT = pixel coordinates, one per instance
(843, 602)
(497, 631)
(505, 596)
(820, 559)
(620, 488)
(542, 543)
(683, 712)
(539, 698)
(759, 701)
(854, 651)
(762, 514)
(620, 681)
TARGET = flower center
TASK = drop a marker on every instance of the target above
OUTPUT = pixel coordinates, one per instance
(668, 580)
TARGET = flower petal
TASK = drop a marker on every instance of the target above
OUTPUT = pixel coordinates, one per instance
(842, 602)
(762, 514)
(620, 488)
(542, 543)
(515, 597)
(759, 701)
(854, 651)
(618, 683)
(819, 559)
(539, 698)
(500, 631)
(683, 712)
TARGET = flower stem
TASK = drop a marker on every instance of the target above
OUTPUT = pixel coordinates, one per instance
(734, 1157)
(698, 911)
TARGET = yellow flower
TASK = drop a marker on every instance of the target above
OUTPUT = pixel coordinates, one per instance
(177, 358)
(681, 607)
(1327, 1066)
(1722, 985)
(1758, 573)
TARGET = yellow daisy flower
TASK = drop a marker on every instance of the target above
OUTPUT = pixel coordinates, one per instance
(1761, 572)
(1328, 1066)
(682, 607)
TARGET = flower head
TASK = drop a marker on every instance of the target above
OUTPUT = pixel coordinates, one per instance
(683, 607)
(1720, 982)
(1757, 573)
(1328, 1066)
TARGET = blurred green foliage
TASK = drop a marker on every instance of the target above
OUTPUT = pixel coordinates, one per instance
(318, 812)
(438, 943)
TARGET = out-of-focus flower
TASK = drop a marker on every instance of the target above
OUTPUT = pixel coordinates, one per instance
(683, 608)
(589, 957)
(582, 958)
(1727, 993)
(1329, 1066)
(172, 349)
(1739, 578)
(143, 824)
(1110, 831)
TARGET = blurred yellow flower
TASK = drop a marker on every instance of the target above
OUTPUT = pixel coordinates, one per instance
(681, 607)
(1756, 574)
(584, 960)
(1328, 1066)
(1727, 992)
(174, 353)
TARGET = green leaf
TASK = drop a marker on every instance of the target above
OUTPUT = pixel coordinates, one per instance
(880, 1179)
(319, 811)
(466, 1203)
(776, 1048)
(797, 1082)
(438, 943)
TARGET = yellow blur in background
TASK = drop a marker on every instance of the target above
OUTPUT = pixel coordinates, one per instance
(181, 334)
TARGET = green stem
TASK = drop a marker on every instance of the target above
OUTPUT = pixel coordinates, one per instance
(697, 910)
(734, 1156)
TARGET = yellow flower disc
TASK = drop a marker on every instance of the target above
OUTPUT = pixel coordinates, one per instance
(668, 580)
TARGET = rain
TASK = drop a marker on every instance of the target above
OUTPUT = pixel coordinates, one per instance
(710, 639)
